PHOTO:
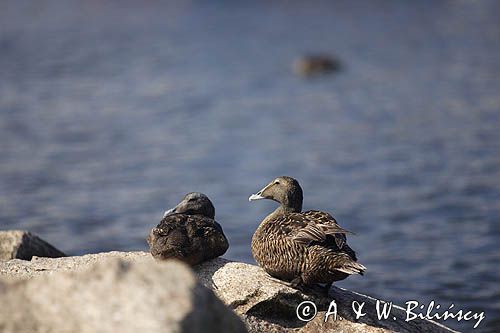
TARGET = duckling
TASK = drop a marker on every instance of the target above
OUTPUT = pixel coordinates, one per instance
(306, 249)
(188, 232)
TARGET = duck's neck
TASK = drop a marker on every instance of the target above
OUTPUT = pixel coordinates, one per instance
(268, 221)
(292, 201)
(288, 209)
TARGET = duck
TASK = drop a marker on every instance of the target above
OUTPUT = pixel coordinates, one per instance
(304, 249)
(188, 232)
(315, 64)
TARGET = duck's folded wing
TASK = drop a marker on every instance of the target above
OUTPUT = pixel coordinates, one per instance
(169, 223)
(326, 222)
(319, 226)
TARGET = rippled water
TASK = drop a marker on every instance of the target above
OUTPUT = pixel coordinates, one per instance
(110, 112)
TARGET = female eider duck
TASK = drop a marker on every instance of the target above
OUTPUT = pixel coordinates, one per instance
(303, 248)
(188, 232)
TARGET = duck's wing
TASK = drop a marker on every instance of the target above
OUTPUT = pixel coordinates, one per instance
(320, 225)
(169, 223)
(169, 237)
(207, 236)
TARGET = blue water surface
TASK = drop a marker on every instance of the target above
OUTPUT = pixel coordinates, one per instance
(110, 111)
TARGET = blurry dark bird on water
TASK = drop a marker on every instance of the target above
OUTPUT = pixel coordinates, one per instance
(315, 64)
(303, 248)
(188, 232)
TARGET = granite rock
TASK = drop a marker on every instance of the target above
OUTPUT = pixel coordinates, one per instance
(18, 244)
(110, 294)
(264, 304)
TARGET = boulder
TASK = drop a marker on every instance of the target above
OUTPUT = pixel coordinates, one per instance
(24, 245)
(112, 295)
(264, 302)
(46, 266)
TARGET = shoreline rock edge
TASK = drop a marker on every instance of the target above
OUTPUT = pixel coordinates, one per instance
(263, 304)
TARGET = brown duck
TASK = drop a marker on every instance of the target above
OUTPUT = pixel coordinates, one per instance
(188, 232)
(303, 248)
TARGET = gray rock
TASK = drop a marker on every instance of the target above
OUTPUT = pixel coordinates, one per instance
(266, 303)
(46, 266)
(24, 245)
(131, 294)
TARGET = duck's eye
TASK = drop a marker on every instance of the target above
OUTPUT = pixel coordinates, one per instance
(276, 182)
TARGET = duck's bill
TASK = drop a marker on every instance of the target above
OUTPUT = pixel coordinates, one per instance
(168, 212)
(254, 197)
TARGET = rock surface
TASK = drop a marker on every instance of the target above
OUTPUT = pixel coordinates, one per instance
(47, 266)
(119, 293)
(267, 305)
(18, 244)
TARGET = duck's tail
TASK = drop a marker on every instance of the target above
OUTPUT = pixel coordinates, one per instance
(345, 264)
(353, 268)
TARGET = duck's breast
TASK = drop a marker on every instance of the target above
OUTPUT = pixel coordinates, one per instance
(277, 253)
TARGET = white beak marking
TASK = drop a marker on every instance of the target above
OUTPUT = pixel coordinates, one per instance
(255, 197)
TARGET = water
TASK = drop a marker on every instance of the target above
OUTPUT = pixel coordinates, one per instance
(110, 113)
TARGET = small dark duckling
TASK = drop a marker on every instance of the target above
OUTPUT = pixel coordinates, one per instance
(304, 248)
(188, 232)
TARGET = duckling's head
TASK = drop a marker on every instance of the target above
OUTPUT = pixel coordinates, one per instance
(284, 190)
(194, 203)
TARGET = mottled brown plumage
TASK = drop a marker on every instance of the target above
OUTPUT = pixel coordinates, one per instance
(304, 248)
(189, 232)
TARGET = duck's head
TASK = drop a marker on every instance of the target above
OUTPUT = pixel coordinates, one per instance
(284, 190)
(194, 203)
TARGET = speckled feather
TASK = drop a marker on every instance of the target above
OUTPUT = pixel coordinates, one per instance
(190, 238)
(188, 232)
